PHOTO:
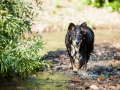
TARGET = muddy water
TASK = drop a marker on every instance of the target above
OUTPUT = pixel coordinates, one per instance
(56, 40)
(41, 81)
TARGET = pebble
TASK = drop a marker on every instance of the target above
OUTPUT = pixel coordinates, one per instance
(94, 87)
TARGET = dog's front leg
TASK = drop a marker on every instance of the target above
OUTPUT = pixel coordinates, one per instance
(81, 62)
(72, 59)
(86, 61)
(85, 65)
(73, 65)
(70, 65)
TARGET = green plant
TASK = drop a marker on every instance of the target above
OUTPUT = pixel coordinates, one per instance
(18, 55)
(113, 5)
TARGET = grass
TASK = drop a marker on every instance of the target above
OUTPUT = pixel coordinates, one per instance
(56, 40)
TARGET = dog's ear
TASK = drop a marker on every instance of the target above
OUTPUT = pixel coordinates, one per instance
(83, 27)
(71, 26)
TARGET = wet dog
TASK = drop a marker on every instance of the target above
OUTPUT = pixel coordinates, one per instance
(79, 42)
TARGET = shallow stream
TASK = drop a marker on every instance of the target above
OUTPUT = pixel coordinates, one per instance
(49, 80)
(42, 81)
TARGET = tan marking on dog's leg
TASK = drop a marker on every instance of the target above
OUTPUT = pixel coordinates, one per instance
(85, 66)
(70, 66)
(76, 60)
(75, 69)
(78, 66)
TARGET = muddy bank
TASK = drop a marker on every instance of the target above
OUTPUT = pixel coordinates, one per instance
(103, 70)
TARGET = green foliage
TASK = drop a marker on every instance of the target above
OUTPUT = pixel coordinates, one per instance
(114, 5)
(98, 3)
(18, 56)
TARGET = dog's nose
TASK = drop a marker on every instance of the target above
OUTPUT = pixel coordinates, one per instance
(77, 42)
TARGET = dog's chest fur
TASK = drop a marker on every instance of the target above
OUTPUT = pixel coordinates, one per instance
(75, 52)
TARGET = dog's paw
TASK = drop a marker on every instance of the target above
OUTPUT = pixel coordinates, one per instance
(70, 66)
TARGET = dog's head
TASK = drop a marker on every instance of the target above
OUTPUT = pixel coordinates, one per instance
(77, 33)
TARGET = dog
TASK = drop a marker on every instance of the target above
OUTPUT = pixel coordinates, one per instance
(79, 42)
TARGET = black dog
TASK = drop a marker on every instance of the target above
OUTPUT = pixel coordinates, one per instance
(79, 41)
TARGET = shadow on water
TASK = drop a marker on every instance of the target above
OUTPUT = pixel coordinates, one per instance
(103, 51)
(54, 54)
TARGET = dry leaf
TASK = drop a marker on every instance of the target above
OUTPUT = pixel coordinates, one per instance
(77, 80)
(112, 87)
(99, 79)
(111, 78)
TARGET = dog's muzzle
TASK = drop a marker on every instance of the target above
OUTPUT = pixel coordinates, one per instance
(77, 43)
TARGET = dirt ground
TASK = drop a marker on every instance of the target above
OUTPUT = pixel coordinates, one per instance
(103, 72)
(56, 15)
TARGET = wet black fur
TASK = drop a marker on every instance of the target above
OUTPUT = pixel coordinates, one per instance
(85, 47)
